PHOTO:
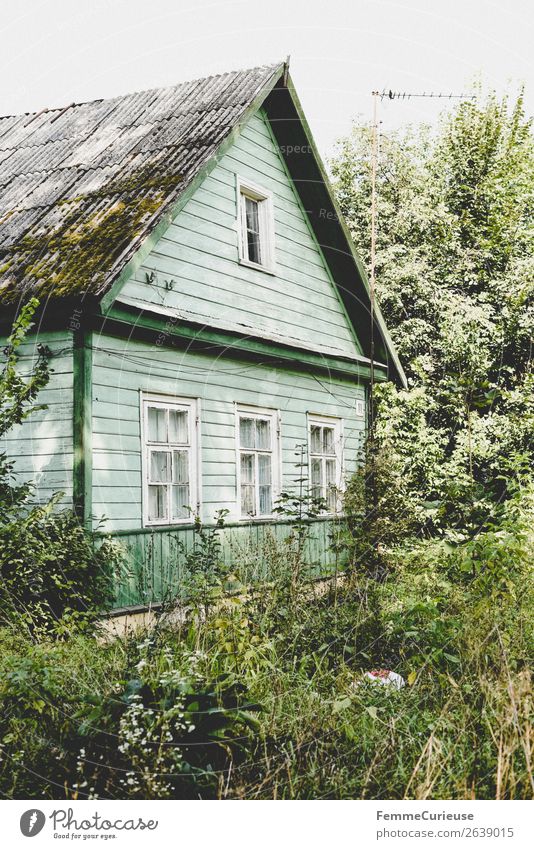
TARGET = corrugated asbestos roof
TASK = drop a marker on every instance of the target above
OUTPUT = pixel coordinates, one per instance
(81, 187)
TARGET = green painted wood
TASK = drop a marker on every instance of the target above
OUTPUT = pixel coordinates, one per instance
(133, 264)
(158, 560)
(122, 368)
(334, 287)
(41, 446)
(169, 330)
(299, 304)
(82, 426)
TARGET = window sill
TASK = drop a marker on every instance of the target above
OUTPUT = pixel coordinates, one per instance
(234, 523)
(176, 523)
(267, 269)
(256, 519)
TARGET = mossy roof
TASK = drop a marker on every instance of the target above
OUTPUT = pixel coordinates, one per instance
(81, 187)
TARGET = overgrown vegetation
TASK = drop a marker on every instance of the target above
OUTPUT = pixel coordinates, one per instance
(52, 576)
(455, 274)
(262, 692)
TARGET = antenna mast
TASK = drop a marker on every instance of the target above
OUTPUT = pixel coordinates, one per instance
(372, 276)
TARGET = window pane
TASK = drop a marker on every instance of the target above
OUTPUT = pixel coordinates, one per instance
(315, 439)
(252, 227)
(180, 468)
(263, 434)
(264, 482)
(247, 468)
(330, 483)
(160, 466)
(316, 477)
(264, 469)
(157, 425)
(247, 433)
(316, 472)
(330, 472)
(247, 484)
(253, 247)
(328, 440)
(331, 499)
(178, 431)
(247, 500)
(157, 502)
(265, 501)
(252, 215)
(180, 502)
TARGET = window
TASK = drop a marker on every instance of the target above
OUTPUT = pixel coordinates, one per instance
(256, 230)
(170, 460)
(326, 460)
(257, 461)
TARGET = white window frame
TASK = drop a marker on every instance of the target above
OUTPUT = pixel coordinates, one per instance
(245, 188)
(172, 402)
(337, 423)
(249, 411)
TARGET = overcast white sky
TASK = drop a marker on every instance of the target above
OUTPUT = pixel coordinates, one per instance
(58, 51)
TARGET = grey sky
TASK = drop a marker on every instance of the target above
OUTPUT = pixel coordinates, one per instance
(58, 51)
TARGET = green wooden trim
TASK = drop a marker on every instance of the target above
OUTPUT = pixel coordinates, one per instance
(168, 217)
(314, 238)
(244, 523)
(342, 223)
(82, 486)
(127, 322)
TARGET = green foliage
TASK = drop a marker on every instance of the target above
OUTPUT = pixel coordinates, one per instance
(122, 719)
(17, 394)
(206, 577)
(114, 718)
(454, 280)
(53, 576)
(300, 506)
(164, 733)
(379, 513)
(17, 397)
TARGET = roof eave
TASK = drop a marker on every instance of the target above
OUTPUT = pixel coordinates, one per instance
(337, 219)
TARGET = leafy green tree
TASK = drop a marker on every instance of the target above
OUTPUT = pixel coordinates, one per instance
(454, 280)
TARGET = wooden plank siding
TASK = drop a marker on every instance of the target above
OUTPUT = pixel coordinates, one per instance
(122, 369)
(193, 273)
(42, 445)
(156, 569)
(298, 304)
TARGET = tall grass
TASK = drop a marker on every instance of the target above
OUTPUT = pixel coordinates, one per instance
(262, 694)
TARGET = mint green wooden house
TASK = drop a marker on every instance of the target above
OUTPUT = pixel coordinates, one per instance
(206, 312)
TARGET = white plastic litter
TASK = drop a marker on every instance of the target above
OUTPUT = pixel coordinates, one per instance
(386, 677)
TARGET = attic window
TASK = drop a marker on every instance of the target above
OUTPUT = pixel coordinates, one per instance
(255, 226)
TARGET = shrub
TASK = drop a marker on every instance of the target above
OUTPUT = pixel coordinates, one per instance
(54, 576)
